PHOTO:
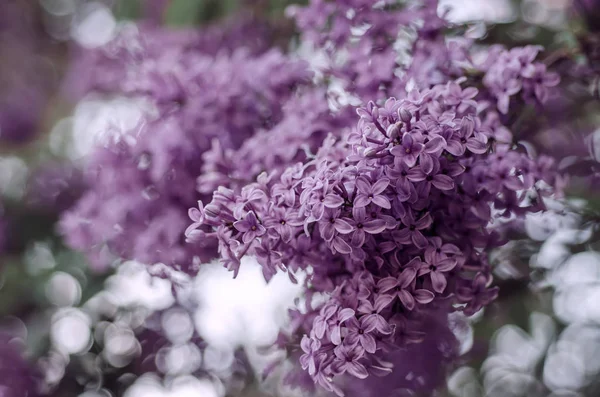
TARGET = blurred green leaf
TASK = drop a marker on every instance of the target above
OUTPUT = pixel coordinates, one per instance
(184, 12)
(127, 9)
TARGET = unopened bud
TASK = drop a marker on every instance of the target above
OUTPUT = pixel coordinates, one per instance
(405, 115)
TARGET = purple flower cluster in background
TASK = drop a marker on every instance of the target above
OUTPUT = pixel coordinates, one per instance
(367, 32)
(508, 73)
(143, 183)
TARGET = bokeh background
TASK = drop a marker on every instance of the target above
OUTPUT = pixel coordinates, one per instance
(98, 331)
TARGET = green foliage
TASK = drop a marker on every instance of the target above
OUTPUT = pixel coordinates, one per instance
(128, 9)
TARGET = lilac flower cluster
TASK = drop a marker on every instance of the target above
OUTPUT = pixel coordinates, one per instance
(142, 184)
(393, 221)
(510, 72)
(306, 120)
(367, 31)
(106, 68)
(370, 34)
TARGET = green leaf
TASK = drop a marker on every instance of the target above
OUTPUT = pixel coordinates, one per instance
(127, 9)
(185, 12)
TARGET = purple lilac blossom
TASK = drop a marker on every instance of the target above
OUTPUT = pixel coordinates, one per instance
(509, 72)
(106, 68)
(412, 194)
(332, 26)
(306, 120)
(393, 220)
(142, 185)
(369, 33)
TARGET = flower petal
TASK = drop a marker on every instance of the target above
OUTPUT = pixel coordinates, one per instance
(368, 342)
(333, 201)
(438, 280)
(407, 299)
(380, 186)
(443, 182)
(343, 227)
(357, 370)
(423, 296)
(361, 200)
(382, 202)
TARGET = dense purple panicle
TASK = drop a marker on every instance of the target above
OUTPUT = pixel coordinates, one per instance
(17, 377)
(392, 222)
(391, 217)
(370, 33)
(142, 185)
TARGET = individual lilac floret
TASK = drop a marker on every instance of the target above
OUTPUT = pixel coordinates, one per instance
(389, 239)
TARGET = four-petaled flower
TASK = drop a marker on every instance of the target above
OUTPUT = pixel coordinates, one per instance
(403, 288)
(282, 222)
(477, 294)
(367, 193)
(312, 355)
(250, 227)
(436, 267)
(372, 311)
(412, 232)
(197, 217)
(347, 360)
(331, 223)
(361, 223)
(359, 333)
(408, 150)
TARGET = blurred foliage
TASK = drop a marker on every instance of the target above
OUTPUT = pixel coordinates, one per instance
(128, 9)
(180, 13)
